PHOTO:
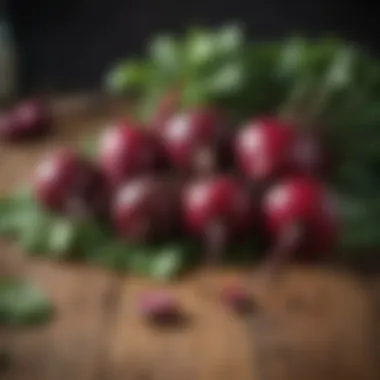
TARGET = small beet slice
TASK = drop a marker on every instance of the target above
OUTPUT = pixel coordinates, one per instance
(161, 308)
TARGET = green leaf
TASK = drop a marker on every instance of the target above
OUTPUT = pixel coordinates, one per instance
(34, 231)
(165, 54)
(22, 304)
(167, 262)
(113, 254)
(229, 39)
(16, 211)
(340, 74)
(208, 51)
(23, 196)
(139, 260)
(147, 106)
(195, 94)
(126, 76)
(161, 262)
(61, 238)
(361, 222)
(91, 235)
(37, 231)
(200, 48)
(292, 58)
(300, 57)
(226, 80)
(5, 210)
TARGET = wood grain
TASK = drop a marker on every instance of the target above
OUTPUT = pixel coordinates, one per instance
(315, 324)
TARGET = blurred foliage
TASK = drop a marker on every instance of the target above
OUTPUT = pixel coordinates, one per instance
(39, 232)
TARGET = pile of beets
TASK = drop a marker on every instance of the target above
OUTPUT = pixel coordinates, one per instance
(195, 173)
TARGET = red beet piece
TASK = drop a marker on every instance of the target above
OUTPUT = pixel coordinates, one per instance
(160, 307)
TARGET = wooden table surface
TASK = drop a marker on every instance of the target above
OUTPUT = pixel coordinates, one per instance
(314, 325)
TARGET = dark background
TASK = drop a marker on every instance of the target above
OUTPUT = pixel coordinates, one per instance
(68, 44)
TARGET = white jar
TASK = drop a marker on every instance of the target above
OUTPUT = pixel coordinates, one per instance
(8, 61)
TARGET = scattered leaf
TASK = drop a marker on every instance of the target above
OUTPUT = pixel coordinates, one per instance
(167, 262)
(61, 238)
(22, 304)
(127, 76)
(165, 54)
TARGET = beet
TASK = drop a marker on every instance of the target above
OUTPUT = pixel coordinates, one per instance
(303, 219)
(263, 147)
(219, 210)
(127, 151)
(268, 148)
(197, 141)
(146, 209)
(69, 184)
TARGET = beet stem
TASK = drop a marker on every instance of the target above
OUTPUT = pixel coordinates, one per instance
(285, 249)
(216, 242)
(282, 253)
(205, 161)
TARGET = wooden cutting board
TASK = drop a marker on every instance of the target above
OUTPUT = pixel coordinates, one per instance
(315, 324)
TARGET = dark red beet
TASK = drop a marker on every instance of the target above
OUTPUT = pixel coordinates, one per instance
(263, 148)
(302, 217)
(267, 148)
(197, 141)
(146, 209)
(237, 298)
(27, 120)
(67, 183)
(218, 209)
(160, 307)
(126, 151)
